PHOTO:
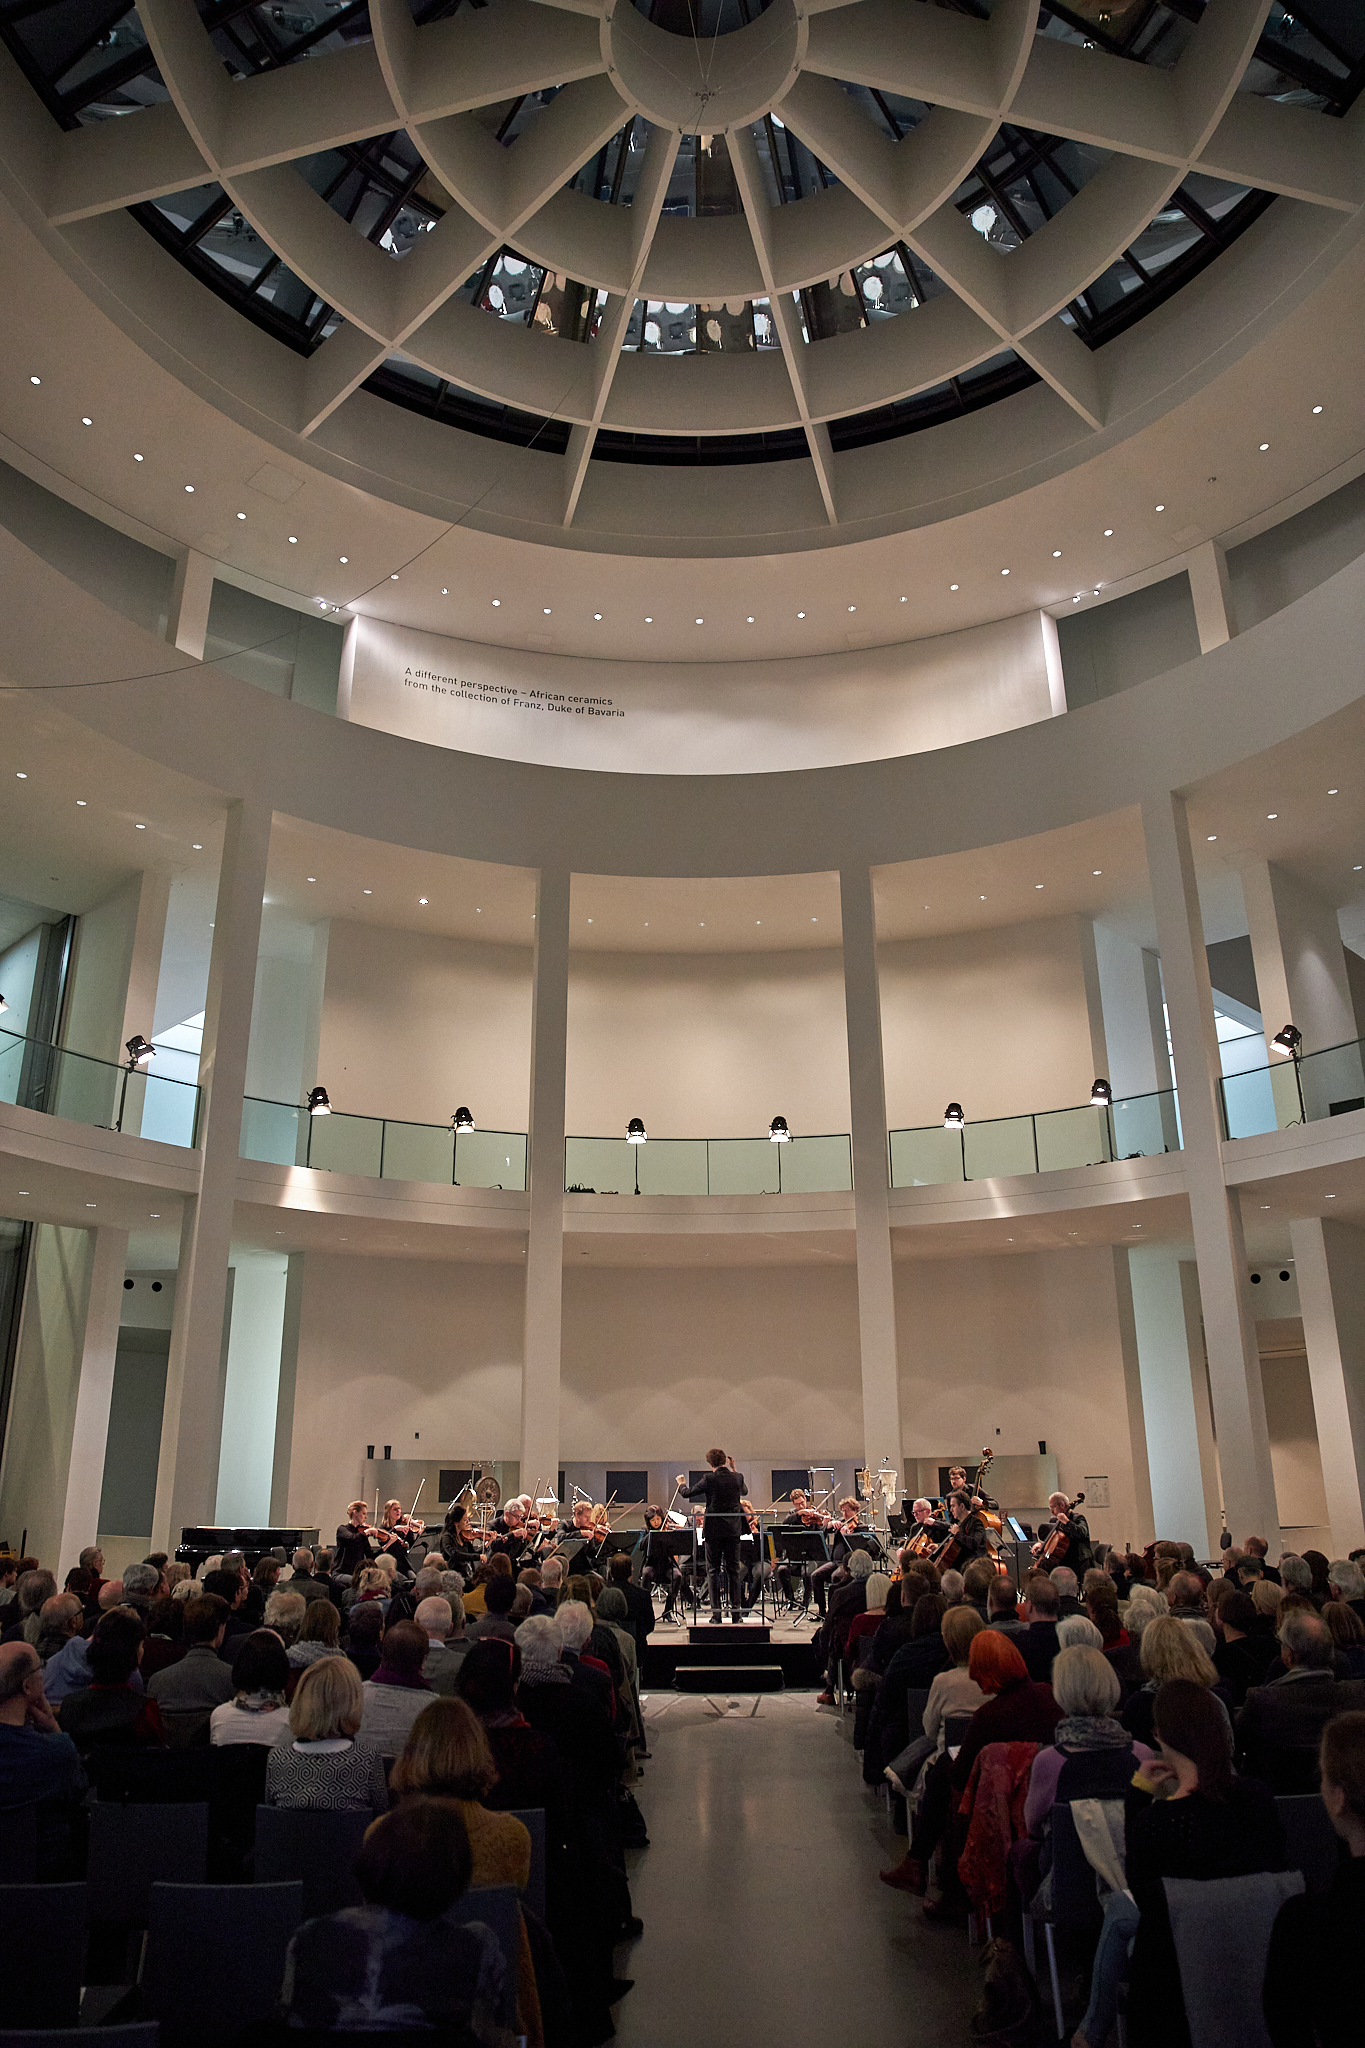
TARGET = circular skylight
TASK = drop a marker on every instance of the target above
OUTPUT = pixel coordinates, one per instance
(696, 229)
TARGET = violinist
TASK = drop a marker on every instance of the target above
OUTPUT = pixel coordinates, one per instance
(460, 1541)
(840, 1550)
(658, 1566)
(354, 1545)
(596, 1545)
(1078, 1555)
(510, 1532)
(392, 1536)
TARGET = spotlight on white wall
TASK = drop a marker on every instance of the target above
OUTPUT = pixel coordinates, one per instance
(1287, 1042)
(953, 1119)
(778, 1132)
(3, 1006)
(1101, 1095)
(636, 1134)
(319, 1103)
(139, 1051)
(463, 1120)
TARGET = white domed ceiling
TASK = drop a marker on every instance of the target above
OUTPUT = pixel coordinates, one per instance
(703, 232)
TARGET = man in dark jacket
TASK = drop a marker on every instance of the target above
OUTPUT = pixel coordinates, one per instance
(1038, 1607)
(639, 1606)
(1279, 1727)
(722, 1489)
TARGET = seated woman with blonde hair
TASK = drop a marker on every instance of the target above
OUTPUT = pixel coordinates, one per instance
(1170, 1649)
(327, 1764)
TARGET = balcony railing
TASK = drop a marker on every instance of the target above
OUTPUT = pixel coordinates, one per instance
(142, 1104)
(709, 1166)
(1044, 1142)
(1294, 1091)
(282, 1134)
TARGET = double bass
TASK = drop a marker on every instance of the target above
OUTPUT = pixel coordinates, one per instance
(1054, 1548)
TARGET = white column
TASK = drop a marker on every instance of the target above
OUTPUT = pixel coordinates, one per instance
(545, 1165)
(871, 1177)
(1052, 661)
(1330, 1266)
(144, 967)
(1299, 958)
(94, 1391)
(1175, 1407)
(192, 1424)
(1229, 1326)
(1207, 569)
(1094, 1000)
(187, 624)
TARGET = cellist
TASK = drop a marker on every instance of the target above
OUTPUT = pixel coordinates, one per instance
(1078, 1555)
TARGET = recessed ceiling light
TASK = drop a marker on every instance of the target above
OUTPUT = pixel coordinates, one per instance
(312, 878)
(20, 775)
(1076, 600)
(546, 609)
(1097, 871)
(800, 615)
(35, 380)
(983, 899)
(139, 828)
(1109, 533)
(1272, 814)
(369, 892)
(1317, 408)
(1039, 885)
(750, 621)
(81, 804)
(240, 515)
(421, 899)
(86, 421)
(700, 622)
(1212, 837)
(1264, 446)
(1331, 792)
(597, 615)
(196, 846)
(444, 591)
(1004, 572)
(293, 540)
(1161, 508)
(952, 586)
(1356, 869)
(23, 1191)
(343, 558)
(496, 602)
(190, 489)
(853, 607)
(1056, 554)
(140, 458)
(1096, 591)
(903, 600)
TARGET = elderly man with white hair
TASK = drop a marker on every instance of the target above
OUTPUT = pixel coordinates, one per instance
(574, 1622)
(435, 1616)
(1347, 1582)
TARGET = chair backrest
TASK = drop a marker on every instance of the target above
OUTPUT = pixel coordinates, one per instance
(45, 1934)
(150, 1777)
(1221, 1930)
(499, 1908)
(138, 2034)
(955, 1728)
(916, 1700)
(316, 1848)
(132, 1846)
(215, 1955)
(1315, 1848)
(236, 1789)
(532, 1819)
(18, 1844)
(1075, 1897)
(1291, 1771)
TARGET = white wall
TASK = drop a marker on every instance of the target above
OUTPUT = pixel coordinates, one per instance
(18, 965)
(42, 1411)
(285, 1010)
(1133, 1029)
(98, 986)
(414, 1026)
(996, 1020)
(706, 1045)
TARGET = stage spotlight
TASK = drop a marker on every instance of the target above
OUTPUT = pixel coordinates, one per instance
(1101, 1095)
(319, 1103)
(1287, 1042)
(953, 1119)
(139, 1051)
(3, 1005)
(778, 1132)
(462, 1120)
(636, 1134)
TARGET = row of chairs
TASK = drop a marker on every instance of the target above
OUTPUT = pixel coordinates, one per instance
(210, 1966)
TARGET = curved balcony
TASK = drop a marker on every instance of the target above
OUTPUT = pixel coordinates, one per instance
(1046, 1141)
(104, 1093)
(381, 1148)
(1302, 1088)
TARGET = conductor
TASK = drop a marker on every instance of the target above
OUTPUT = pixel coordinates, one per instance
(721, 1490)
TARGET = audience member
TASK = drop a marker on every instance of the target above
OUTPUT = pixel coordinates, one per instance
(1346, 1582)
(398, 1692)
(317, 1638)
(913, 1666)
(59, 1619)
(953, 1692)
(165, 1644)
(1017, 1709)
(530, 1773)
(231, 1587)
(977, 1581)
(447, 1756)
(33, 1588)
(1295, 1575)
(573, 1619)
(187, 1691)
(364, 1628)
(141, 1586)
(256, 1711)
(1039, 1607)
(1078, 1631)
(327, 1763)
(1319, 1589)
(1170, 1650)
(639, 1605)
(1348, 1638)
(1279, 1727)
(1002, 1610)
(951, 1586)
(1241, 1655)
(441, 1667)
(498, 1594)
(398, 1954)
(1312, 1990)
(1068, 1590)
(1092, 1754)
(111, 1713)
(1256, 1547)
(39, 1762)
(285, 1611)
(307, 1577)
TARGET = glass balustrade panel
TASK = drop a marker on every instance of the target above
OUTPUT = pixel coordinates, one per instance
(1071, 1137)
(488, 1159)
(1333, 1081)
(815, 1166)
(270, 1132)
(84, 1090)
(11, 1065)
(999, 1148)
(346, 1144)
(421, 1152)
(744, 1166)
(158, 1107)
(1252, 1103)
(1144, 1125)
(924, 1158)
(601, 1166)
(672, 1166)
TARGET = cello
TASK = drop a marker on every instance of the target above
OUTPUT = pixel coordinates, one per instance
(950, 1550)
(1054, 1548)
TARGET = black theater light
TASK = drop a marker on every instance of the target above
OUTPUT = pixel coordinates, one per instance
(1101, 1095)
(778, 1131)
(319, 1103)
(463, 1120)
(636, 1134)
(139, 1051)
(1287, 1042)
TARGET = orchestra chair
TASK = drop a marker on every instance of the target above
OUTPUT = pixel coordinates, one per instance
(140, 2034)
(1315, 1849)
(215, 1954)
(316, 1849)
(532, 1819)
(1075, 1905)
(18, 1845)
(46, 1928)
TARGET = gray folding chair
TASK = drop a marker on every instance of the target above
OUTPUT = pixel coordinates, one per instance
(133, 1846)
(18, 1844)
(215, 1956)
(46, 1927)
(499, 1908)
(532, 1819)
(316, 1848)
(1315, 1848)
(1075, 1905)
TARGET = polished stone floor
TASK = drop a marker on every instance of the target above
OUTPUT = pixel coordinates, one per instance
(764, 1919)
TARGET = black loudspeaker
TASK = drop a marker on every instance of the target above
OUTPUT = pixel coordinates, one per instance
(1042, 1447)
(369, 1450)
(388, 1450)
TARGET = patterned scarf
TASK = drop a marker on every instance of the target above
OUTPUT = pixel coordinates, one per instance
(1090, 1731)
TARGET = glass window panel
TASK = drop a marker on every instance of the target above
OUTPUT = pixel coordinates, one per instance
(924, 1158)
(270, 1132)
(1004, 1146)
(11, 1065)
(1144, 1125)
(183, 209)
(1171, 234)
(726, 327)
(422, 1152)
(289, 295)
(814, 1166)
(510, 289)
(236, 248)
(1332, 1081)
(602, 1166)
(744, 1166)
(670, 327)
(166, 1109)
(1071, 1137)
(490, 1159)
(672, 1166)
(345, 1144)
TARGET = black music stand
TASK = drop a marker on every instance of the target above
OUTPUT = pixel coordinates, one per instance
(803, 1547)
(681, 1543)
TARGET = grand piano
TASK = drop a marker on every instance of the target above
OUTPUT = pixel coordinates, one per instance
(198, 1543)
